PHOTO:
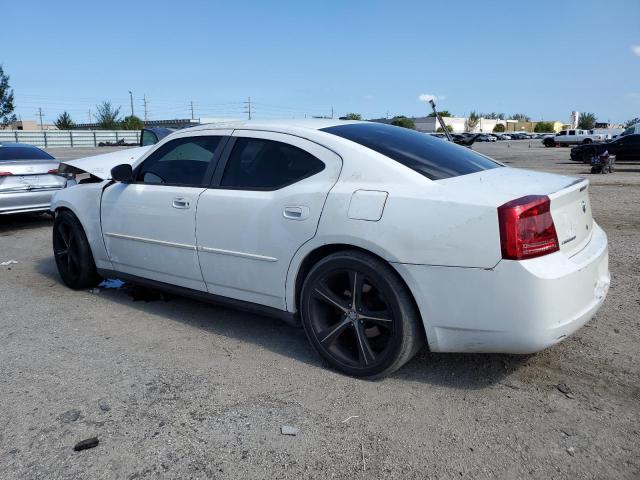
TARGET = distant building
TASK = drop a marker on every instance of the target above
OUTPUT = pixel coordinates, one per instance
(30, 125)
(458, 124)
(176, 123)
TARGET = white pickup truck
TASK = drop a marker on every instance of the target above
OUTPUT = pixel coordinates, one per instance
(575, 137)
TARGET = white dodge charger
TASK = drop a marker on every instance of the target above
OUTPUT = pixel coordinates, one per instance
(375, 238)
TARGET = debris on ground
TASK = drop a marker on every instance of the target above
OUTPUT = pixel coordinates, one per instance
(571, 451)
(86, 444)
(104, 405)
(288, 430)
(8, 262)
(564, 388)
(349, 418)
(111, 283)
(70, 416)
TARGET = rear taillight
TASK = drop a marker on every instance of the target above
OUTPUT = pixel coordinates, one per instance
(5, 174)
(53, 172)
(526, 228)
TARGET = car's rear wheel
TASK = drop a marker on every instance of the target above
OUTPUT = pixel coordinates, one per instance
(587, 141)
(359, 315)
(72, 252)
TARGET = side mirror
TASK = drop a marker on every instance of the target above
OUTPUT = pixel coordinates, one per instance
(122, 173)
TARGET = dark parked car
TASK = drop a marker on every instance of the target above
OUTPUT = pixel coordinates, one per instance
(624, 148)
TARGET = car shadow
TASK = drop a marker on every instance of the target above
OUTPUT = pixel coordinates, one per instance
(23, 221)
(463, 371)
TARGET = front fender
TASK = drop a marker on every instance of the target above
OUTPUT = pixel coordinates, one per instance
(84, 201)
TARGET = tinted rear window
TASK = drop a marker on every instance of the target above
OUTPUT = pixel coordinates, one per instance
(432, 157)
(23, 153)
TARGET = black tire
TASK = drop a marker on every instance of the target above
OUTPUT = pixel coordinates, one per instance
(72, 252)
(587, 141)
(370, 334)
(594, 169)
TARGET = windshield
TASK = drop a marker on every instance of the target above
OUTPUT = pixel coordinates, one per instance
(23, 153)
(434, 158)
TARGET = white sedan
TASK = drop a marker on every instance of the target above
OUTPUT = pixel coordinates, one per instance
(377, 239)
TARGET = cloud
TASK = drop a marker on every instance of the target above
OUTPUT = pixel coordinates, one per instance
(636, 49)
(425, 97)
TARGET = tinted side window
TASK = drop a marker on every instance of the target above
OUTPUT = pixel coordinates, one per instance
(261, 164)
(432, 157)
(183, 161)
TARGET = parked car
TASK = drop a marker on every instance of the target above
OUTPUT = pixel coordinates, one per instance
(518, 136)
(483, 137)
(28, 178)
(626, 147)
(574, 137)
(152, 135)
(505, 136)
(373, 237)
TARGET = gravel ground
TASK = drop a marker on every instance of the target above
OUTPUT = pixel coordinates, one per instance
(181, 389)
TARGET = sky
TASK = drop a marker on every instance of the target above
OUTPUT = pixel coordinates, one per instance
(297, 58)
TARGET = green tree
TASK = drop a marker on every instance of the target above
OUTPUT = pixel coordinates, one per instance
(443, 113)
(586, 121)
(403, 122)
(499, 128)
(632, 122)
(493, 116)
(64, 121)
(449, 127)
(543, 127)
(108, 117)
(521, 117)
(472, 121)
(132, 123)
(6, 100)
(353, 116)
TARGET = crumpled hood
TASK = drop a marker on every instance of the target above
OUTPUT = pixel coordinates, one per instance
(100, 165)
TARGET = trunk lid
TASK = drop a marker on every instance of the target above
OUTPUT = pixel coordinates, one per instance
(29, 175)
(571, 212)
(570, 206)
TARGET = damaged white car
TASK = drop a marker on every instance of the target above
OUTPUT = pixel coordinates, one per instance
(376, 238)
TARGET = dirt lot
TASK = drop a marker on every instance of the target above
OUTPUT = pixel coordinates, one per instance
(181, 389)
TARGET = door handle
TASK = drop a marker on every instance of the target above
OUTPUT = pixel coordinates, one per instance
(181, 202)
(296, 213)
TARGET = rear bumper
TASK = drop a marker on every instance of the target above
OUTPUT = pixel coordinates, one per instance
(516, 307)
(32, 201)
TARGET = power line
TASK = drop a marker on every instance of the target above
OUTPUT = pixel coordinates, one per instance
(248, 107)
(40, 114)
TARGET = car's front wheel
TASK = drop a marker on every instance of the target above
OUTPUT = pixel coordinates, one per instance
(72, 252)
(359, 315)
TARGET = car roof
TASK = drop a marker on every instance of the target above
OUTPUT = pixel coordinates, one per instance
(17, 144)
(274, 125)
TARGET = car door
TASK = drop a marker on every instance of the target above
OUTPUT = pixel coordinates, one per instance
(267, 197)
(148, 226)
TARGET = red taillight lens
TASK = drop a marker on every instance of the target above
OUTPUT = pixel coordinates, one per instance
(53, 172)
(5, 174)
(526, 228)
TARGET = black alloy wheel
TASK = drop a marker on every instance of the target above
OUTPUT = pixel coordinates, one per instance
(359, 315)
(72, 252)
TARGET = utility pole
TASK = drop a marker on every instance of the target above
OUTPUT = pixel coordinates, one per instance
(131, 98)
(387, 115)
(247, 105)
(40, 114)
(144, 101)
(192, 115)
(331, 112)
(89, 115)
